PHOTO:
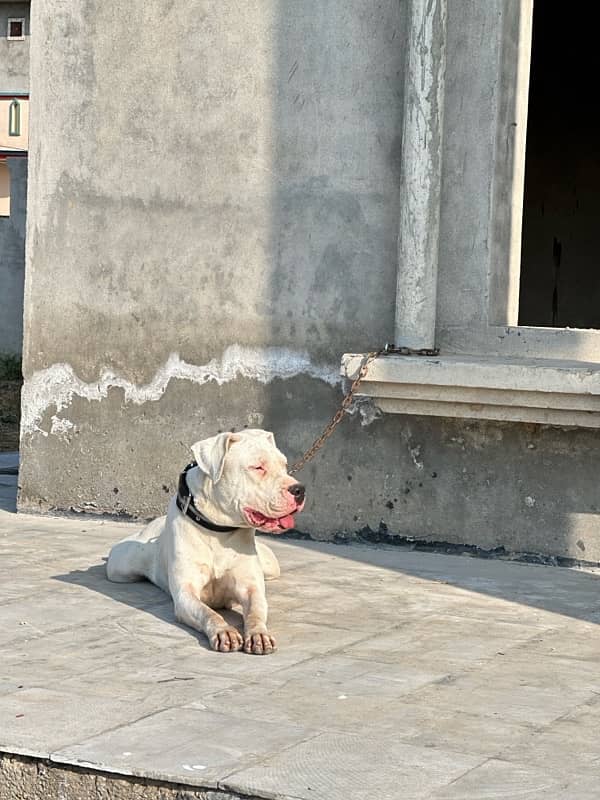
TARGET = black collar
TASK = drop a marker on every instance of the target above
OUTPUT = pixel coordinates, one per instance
(185, 503)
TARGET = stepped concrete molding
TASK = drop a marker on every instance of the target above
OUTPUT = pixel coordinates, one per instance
(564, 393)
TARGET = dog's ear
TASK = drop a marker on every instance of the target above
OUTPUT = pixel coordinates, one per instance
(260, 433)
(270, 437)
(210, 454)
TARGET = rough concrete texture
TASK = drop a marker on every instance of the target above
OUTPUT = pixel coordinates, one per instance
(14, 55)
(230, 179)
(398, 674)
(468, 158)
(12, 260)
(211, 187)
(525, 488)
(421, 175)
(24, 778)
(229, 187)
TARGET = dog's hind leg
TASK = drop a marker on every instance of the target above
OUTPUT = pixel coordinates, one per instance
(129, 561)
(268, 561)
(133, 558)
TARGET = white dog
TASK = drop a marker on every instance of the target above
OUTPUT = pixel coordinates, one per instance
(203, 553)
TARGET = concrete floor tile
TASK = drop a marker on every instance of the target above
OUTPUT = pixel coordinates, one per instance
(503, 689)
(397, 675)
(296, 642)
(149, 685)
(186, 745)
(443, 641)
(45, 612)
(572, 740)
(55, 658)
(352, 694)
(576, 640)
(499, 780)
(38, 721)
(352, 767)
(427, 725)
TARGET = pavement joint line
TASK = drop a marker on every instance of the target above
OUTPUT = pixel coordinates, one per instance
(265, 757)
(258, 795)
(76, 626)
(464, 774)
(462, 672)
(52, 756)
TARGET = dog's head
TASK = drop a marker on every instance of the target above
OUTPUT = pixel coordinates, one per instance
(246, 481)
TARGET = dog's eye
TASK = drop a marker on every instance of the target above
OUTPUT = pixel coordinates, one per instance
(259, 468)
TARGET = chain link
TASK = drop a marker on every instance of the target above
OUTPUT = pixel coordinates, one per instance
(339, 414)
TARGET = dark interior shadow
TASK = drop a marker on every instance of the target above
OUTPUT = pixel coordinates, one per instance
(141, 595)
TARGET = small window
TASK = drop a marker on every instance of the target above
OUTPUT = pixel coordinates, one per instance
(14, 118)
(16, 28)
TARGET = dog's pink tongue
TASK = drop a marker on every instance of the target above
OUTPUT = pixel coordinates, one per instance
(286, 522)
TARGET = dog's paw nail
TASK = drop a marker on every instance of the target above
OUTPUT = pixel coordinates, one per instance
(226, 641)
(259, 644)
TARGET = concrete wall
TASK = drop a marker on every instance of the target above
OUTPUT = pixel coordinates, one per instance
(14, 55)
(229, 180)
(12, 260)
(219, 226)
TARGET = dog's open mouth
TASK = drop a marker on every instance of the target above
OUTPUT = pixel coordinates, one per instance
(269, 524)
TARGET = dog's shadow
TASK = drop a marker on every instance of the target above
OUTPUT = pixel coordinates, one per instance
(142, 596)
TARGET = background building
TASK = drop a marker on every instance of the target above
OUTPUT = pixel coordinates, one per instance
(14, 124)
(225, 200)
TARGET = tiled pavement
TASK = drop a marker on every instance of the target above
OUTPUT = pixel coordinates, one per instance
(398, 674)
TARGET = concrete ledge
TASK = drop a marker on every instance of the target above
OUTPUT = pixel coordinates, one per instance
(550, 392)
(38, 779)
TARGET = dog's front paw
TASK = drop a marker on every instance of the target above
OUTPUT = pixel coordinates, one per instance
(226, 640)
(259, 644)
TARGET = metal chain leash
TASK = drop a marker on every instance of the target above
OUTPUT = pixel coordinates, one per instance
(389, 349)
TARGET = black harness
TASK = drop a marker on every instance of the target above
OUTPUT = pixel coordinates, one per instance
(185, 503)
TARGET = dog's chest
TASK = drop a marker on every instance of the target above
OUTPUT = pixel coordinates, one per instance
(219, 593)
(216, 565)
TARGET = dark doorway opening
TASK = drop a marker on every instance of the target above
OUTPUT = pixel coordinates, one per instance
(560, 259)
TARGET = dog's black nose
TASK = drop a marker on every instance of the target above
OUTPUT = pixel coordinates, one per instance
(297, 491)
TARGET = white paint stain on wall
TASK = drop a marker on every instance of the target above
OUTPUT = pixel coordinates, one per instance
(57, 385)
(415, 453)
(61, 427)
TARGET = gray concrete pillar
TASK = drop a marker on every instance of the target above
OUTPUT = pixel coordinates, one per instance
(421, 177)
